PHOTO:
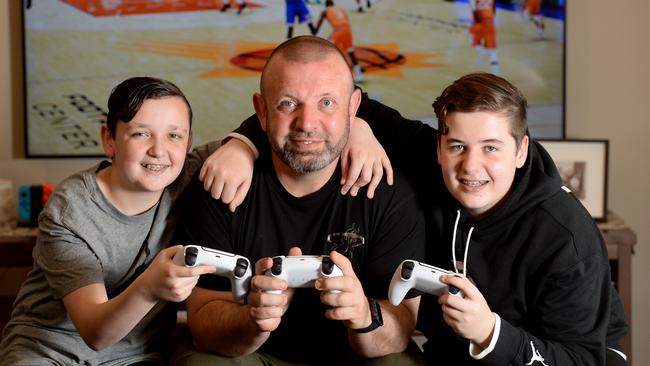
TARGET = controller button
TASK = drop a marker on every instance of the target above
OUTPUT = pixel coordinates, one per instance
(276, 269)
(327, 266)
(407, 270)
(191, 255)
(453, 289)
(241, 267)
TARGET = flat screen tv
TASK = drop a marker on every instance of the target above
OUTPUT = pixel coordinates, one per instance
(76, 51)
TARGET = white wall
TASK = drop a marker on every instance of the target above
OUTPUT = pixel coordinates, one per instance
(608, 92)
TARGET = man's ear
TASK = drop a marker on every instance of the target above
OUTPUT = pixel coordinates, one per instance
(355, 100)
(108, 141)
(522, 152)
(260, 109)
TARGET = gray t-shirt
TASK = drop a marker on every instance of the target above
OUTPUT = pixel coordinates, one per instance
(83, 239)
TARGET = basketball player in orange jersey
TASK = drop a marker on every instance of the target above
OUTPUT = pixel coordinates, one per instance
(484, 35)
(531, 11)
(341, 35)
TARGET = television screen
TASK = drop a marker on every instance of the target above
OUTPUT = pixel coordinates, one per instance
(403, 53)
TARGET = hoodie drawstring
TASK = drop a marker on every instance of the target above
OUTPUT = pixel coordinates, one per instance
(453, 246)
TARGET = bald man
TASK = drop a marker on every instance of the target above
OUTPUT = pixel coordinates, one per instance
(306, 104)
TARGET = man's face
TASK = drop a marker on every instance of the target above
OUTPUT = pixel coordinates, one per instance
(306, 112)
(479, 158)
(148, 152)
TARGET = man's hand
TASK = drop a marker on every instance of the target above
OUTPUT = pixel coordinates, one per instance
(348, 301)
(266, 309)
(228, 172)
(363, 161)
(469, 316)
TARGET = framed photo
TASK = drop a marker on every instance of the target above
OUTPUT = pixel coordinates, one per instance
(583, 167)
(76, 51)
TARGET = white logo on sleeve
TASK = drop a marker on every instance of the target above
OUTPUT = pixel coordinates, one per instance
(536, 356)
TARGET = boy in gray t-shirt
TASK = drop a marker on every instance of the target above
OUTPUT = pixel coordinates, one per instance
(102, 281)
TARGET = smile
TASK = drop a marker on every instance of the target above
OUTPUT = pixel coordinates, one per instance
(154, 167)
(473, 183)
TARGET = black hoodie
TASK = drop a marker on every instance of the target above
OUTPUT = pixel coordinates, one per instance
(538, 259)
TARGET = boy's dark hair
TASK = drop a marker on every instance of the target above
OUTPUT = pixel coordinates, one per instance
(483, 92)
(127, 98)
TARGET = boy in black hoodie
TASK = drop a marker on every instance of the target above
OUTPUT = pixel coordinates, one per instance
(536, 276)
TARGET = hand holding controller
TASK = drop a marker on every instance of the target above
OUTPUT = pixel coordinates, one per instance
(302, 270)
(233, 266)
(420, 276)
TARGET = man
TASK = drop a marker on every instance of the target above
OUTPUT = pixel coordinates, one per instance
(306, 105)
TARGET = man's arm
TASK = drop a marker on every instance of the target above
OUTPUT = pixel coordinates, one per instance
(221, 325)
(394, 335)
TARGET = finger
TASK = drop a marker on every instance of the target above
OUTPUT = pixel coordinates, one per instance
(462, 283)
(171, 252)
(343, 263)
(295, 251)
(203, 172)
(336, 298)
(240, 195)
(262, 265)
(345, 162)
(207, 182)
(365, 176)
(200, 270)
(351, 178)
(272, 300)
(266, 312)
(377, 171)
(228, 193)
(389, 170)
(341, 313)
(215, 189)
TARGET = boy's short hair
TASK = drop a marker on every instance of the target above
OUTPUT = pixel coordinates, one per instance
(483, 92)
(127, 98)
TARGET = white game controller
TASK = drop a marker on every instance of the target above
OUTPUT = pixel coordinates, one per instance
(233, 266)
(302, 270)
(420, 276)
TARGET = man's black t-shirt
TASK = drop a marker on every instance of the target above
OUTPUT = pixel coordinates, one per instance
(270, 221)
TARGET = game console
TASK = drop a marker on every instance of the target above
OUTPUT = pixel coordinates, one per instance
(302, 270)
(411, 274)
(31, 200)
(233, 266)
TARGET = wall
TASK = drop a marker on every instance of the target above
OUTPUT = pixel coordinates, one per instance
(608, 78)
(608, 90)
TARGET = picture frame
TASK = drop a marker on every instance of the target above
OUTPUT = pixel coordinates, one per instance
(76, 51)
(583, 165)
